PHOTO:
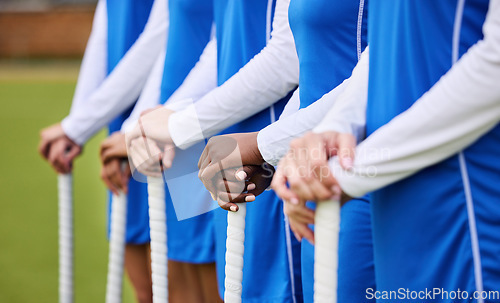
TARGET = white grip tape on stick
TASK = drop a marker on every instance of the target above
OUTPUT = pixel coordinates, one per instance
(65, 193)
(235, 246)
(326, 238)
(158, 230)
(116, 248)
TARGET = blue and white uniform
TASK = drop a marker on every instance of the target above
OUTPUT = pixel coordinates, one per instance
(123, 34)
(433, 143)
(271, 256)
(190, 240)
(126, 21)
(329, 37)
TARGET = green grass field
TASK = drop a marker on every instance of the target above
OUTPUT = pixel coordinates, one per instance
(32, 96)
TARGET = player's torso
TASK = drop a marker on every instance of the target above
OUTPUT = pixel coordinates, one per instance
(329, 37)
(242, 31)
(411, 46)
(190, 23)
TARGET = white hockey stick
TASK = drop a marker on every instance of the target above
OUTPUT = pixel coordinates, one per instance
(326, 238)
(158, 231)
(116, 248)
(235, 246)
(65, 192)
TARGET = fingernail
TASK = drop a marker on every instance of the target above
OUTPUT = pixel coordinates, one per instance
(233, 208)
(251, 186)
(347, 163)
(241, 175)
(213, 197)
(294, 201)
(249, 198)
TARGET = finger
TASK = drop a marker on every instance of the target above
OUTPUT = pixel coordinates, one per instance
(126, 174)
(133, 134)
(228, 206)
(211, 170)
(295, 234)
(168, 156)
(71, 153)
(43, 148)
(279, 185)
(112, 153)
(300, 213)
(234, 187)
(235, 198)
(204, 155)
(302, 230)
(108, 183)
(347, 145)
(54, 159)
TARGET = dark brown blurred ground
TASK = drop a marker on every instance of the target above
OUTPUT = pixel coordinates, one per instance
(60, 32)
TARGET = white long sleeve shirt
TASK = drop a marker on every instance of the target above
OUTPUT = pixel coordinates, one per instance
(267, 78)
(122, 87)
(93, 67)
(461, 107)
(350, 107)
(200, 80)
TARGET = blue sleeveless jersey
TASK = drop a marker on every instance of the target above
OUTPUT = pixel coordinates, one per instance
(329, 37)
(426, 226)
(271, 271)
(126, 21)
(190, 240)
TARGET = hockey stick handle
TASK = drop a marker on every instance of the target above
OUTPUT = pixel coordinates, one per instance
(65, 195)
(158, 230)
(116, 248)
(326, 238)
(235, 246)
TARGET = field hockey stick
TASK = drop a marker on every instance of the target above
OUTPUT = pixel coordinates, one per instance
(65, 193)
(326, 238)
(116, 248)
(235, 246)
(158, 231)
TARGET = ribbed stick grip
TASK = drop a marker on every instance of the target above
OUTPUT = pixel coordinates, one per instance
(235, 246)
(326, 238)
(116, 248)
(158, 230)
(65, 194)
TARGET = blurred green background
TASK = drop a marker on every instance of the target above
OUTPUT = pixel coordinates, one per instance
(33, 95)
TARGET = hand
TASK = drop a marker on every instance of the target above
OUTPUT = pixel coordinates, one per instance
(113, 147)
(153, 124)
(116, 175)
(149, 145)
(299, 216)
(228, 151)
(150, 159)
(58, 149)
(305, 167)
(241, 185)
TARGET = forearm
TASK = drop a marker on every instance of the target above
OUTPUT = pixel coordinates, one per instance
(150, 95)
(123, 86)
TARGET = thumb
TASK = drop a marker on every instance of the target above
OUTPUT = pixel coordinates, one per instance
(346, 150)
